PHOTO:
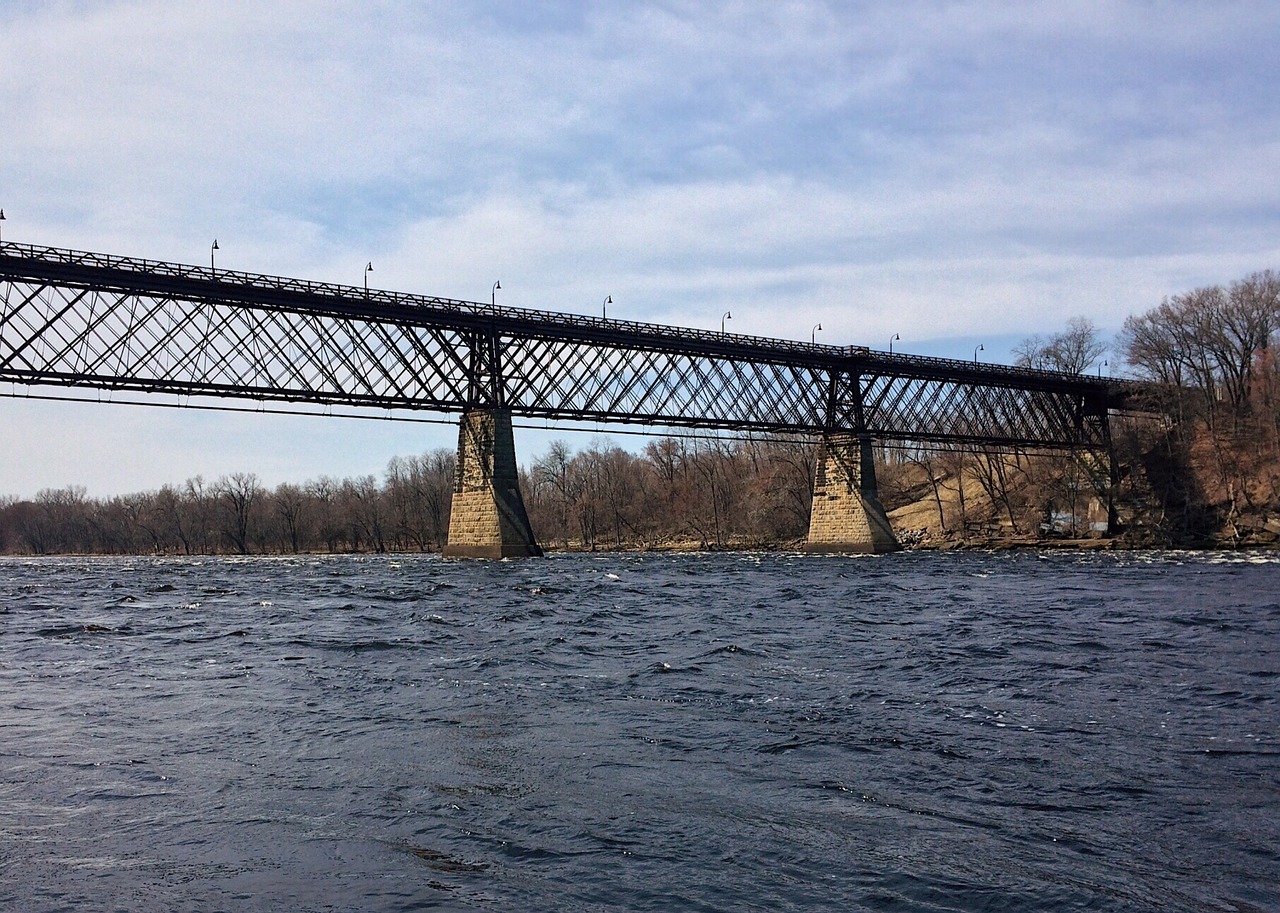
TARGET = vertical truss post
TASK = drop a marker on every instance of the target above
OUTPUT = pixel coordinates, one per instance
(847, 515)
(484, 369)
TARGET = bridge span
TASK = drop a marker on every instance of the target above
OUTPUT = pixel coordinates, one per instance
(80, 319)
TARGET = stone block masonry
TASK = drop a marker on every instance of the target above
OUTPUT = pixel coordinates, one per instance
(488, 518)
(847, 514)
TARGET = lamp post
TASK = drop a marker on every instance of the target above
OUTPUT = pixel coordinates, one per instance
(976, 351)
(813, 335)
(1105, 364)
(211, 250)
(368, 268)
(604, 307)
(493, 293)
(727, 316)
(891, 339)
(1, 220)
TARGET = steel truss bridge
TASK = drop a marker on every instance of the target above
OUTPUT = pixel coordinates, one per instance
(91, 320)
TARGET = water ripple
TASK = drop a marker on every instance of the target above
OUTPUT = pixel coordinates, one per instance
(641, 732)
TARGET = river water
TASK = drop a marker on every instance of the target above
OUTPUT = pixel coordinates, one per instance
(641, 732)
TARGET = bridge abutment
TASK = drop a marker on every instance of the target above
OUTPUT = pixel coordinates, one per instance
(847, 515)
(487, 518)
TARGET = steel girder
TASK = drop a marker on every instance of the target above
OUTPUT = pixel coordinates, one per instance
(92, 320)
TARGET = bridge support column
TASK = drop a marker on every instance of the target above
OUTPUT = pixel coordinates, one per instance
(847, 515)
(488, 519)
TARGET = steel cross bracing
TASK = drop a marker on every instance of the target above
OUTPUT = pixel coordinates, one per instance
(92, 320)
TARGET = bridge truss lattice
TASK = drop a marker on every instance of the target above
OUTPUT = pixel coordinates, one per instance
(80, 319)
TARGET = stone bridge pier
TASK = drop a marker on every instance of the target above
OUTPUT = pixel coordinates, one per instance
(847, 515)
(488, 518)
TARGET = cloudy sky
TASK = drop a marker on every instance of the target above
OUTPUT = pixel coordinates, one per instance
(955, 173)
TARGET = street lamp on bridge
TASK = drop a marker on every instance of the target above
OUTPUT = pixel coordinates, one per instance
(211, 250)
(604, 307)
(493, 293)
(1, 220)
(976, 351)
(891, 339)
(367, 270)
(727, 316)
(813, 334)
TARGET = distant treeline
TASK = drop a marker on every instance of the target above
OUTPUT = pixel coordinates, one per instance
(1203, 466)
(236, 514)
(708, 492)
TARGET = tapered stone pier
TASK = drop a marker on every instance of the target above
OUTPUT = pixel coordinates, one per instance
(847, 514)
(488, 519)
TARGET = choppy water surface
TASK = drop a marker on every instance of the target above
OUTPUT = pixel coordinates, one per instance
(653, 732)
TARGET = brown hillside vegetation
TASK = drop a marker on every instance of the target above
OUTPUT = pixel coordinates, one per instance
(1200, 467)
(952, 498)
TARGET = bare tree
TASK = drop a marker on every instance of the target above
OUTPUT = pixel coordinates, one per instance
(199, 504)
(324, 498)
(1072, 351)
(554, 485)
(238, 494)
(366, 511)
(290, 502)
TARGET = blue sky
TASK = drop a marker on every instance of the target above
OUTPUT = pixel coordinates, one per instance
(955, 173)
